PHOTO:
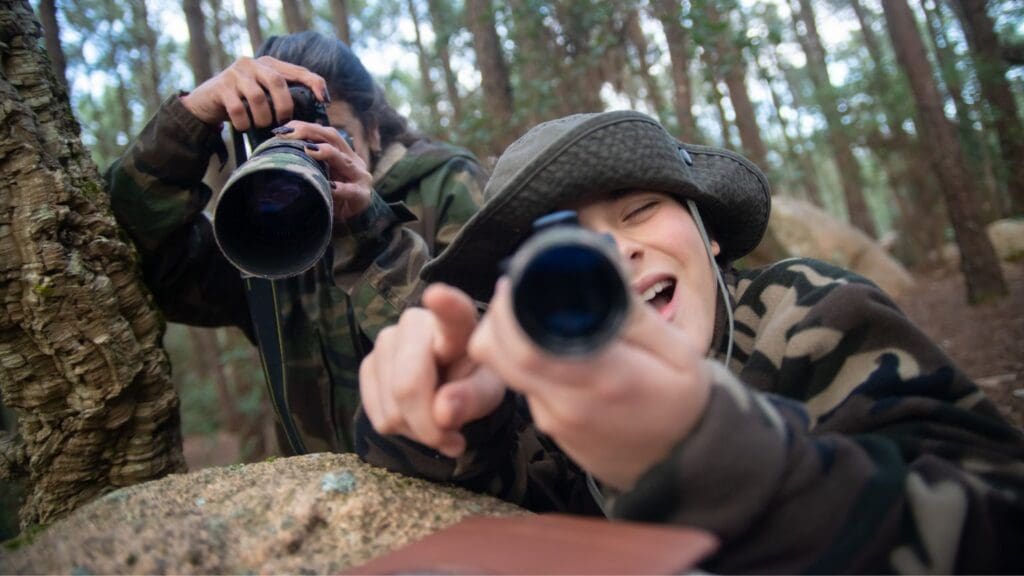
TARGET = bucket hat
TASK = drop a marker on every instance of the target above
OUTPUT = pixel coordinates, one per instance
(563, 161)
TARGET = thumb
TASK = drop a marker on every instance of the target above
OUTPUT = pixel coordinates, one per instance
(456, 320)
(460, 402)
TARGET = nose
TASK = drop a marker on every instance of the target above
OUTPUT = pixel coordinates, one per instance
(630, 250)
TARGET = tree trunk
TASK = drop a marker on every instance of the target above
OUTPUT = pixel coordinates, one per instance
(221, 60)
(425, 81)
(639, 41)
(51, 31)
(80, 357)
(978, 260)
(730, 67)
(252, 24)
(339, 13)
(441, 21)
(493, 73)
(994, 87)
(842, 147)
(146, 38)
(795, 153)
(974, 147)
(198, 45)
(294, 19)
(580, 86)
(922, 215)
(669, 12)
(540, 74)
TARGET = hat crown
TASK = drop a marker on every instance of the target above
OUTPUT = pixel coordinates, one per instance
(545, 141)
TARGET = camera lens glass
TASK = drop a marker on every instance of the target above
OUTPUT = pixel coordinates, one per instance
(570, 299)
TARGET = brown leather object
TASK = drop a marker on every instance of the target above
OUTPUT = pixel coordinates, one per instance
(548, 544)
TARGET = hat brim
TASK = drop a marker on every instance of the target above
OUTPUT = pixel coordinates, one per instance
(614, 152)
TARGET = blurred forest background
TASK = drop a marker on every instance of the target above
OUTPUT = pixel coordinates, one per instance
(901, 117)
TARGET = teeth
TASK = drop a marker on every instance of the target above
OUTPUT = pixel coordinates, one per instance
(651, 292)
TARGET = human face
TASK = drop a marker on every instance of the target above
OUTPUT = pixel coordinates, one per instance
(365, 138)
(664, 256)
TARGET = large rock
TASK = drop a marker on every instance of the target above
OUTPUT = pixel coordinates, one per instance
(1007, 237)
(797, 228)
(310, 514)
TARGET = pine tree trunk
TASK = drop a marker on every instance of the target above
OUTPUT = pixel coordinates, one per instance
(198, 45)
(252, 24)
(974, 147)
(669, 12)
(639, 41)
(842, 147)
(51, 32)
(146, 38)
(441, 22)
(731, 69)
(996, 90)
(493, 73)
(978, 260)
(339, 13)
(221, 60)
(429, 94)
(294, 19)
(80, 357)
(539, 73)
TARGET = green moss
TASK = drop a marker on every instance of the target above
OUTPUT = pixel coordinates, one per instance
(90, 188)
(43, 289)
(27, 538)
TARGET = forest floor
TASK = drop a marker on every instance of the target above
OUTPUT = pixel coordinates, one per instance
(986, 341)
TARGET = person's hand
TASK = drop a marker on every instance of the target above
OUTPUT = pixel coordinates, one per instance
(419, 382)
(617, 413)
(220, 98)
(351, 181)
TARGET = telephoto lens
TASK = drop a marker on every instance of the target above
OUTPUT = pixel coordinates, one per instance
(274, 217)
(570, 293)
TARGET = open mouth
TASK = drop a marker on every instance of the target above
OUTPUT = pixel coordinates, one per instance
(660, 294)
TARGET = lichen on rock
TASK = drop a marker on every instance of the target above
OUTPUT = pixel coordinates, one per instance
(318, 513)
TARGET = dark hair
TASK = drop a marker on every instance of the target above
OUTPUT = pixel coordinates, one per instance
(347, 80)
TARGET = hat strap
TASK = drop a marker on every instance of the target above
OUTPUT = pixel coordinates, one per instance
(718, 276)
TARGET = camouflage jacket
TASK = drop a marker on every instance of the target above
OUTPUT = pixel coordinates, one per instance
(839, 439)
(312, 329)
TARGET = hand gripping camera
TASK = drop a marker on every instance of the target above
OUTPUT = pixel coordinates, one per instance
(570, 293)
(275, 215)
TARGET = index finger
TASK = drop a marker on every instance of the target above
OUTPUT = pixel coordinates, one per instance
(456, 320)
(296, 73)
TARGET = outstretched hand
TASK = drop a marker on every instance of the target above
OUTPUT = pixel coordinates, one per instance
(616, 413)
(419, 381)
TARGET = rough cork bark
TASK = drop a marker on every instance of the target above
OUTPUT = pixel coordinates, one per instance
(80, 357)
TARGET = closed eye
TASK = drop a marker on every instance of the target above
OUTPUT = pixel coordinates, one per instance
(641, 211)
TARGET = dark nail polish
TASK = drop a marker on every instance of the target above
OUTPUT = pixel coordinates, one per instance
(312, 147)
(283, 130)
(327, 97)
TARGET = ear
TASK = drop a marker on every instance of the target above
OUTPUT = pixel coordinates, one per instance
(715, 248)
(373, 137)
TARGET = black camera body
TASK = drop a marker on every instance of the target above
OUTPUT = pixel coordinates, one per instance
(274, 217)
(570, 293)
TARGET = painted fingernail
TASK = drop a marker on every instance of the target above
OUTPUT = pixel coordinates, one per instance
(283, 130)
(312, 147)
(327, 97)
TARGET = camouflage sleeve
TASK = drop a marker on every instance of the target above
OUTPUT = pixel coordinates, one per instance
(379, 262)
(157, 196)
(883, 458)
